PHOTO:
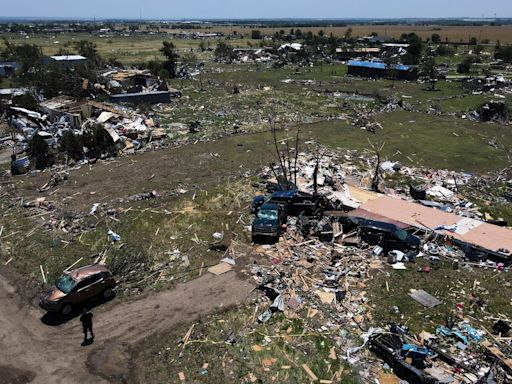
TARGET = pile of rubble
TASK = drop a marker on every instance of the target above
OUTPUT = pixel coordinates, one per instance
(128, 129)
(322, 262)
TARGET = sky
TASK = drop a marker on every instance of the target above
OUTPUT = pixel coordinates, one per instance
(243, 9)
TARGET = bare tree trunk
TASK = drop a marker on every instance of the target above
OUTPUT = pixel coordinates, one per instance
(283, 168)
(288, 161)
(274, 172)
(375, 181)
(296, 156)
(315, 175)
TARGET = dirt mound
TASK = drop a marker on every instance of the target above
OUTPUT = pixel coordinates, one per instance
(111, 361)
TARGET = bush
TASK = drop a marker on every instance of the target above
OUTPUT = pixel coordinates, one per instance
(98, 142)
(465, 66)
(71, 145)
(26, 101)
(444, 50)
(39, 152)
(256, 34)
(504, 53)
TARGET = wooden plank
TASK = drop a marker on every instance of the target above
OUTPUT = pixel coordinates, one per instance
(220, 268)
(310, 373)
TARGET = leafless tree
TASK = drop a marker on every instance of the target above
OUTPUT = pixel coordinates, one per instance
(287, 166)
(376, 177)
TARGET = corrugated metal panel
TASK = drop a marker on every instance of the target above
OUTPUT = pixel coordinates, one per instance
(376, 65)
(68, 58)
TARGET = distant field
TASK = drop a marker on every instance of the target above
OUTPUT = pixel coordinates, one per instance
(127, 49)
(135, 49)
(453, 33)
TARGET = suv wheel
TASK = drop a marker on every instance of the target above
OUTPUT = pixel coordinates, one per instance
(108, 293)
(66, 309)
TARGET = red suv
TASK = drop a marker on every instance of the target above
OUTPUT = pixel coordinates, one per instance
(77, 286)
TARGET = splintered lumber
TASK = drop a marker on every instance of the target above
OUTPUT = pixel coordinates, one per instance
(310, 373)
(187, 335)
(42, 273)
(109, 108)
(72, 265)
(498, 354)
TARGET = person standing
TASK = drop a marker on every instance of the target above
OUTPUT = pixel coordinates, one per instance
(86, 320)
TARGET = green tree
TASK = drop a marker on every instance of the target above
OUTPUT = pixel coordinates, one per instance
(465, 66)
(473, 41)
(256, 34)
(478, 49)
(348, 34)
(435, 38)
(163, 74)
(429, 71)
(39, 152)
(445, 50)
(26, 100)
(89, 50)
(503, 53)
(168, 50)
(189, 59)
(30, 56)
(98, 142)
(224, 52)
(71, 145)
(415, 49)
(154, 66)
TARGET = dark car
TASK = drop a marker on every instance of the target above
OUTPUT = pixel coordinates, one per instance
(269, 221)
(78, 286)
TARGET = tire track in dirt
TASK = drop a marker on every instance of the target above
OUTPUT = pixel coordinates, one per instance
(31, 351)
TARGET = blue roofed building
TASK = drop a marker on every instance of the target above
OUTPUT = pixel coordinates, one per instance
(375, 69)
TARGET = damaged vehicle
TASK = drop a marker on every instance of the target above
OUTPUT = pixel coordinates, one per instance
(76, 287)
(386, 235)
(269, 222)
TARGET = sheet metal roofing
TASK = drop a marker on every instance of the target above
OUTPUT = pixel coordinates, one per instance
(376, 65)
(68, 58)
(475, 232)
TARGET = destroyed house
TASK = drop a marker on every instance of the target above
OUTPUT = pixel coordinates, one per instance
(63, 109)
(132, 78)
(347, 54)
(9, 93)
(465, 232)
(374, 69)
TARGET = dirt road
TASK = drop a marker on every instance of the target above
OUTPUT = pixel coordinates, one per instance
(31, 351)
